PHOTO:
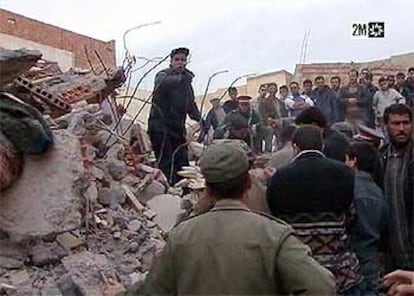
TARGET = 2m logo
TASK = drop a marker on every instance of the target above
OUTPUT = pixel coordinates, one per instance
(370, 30)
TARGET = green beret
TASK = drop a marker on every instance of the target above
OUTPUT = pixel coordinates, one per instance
(223, 162)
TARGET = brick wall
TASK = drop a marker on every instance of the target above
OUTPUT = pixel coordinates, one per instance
(36, 31)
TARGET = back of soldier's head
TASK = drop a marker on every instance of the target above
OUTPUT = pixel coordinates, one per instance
(225, 167)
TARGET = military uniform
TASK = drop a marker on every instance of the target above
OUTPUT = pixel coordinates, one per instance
(241, 125)
(232, 250)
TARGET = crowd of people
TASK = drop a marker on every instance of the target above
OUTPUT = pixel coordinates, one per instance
(341, 200)
(359, 102)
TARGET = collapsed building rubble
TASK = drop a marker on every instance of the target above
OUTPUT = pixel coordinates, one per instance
(85, 213)
(72, 223)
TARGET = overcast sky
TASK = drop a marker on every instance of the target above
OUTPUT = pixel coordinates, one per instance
(244, 36)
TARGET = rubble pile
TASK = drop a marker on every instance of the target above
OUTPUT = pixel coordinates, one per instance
(69, 227)
(85, 212)
(87, 215)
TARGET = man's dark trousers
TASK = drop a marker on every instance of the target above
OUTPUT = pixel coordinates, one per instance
(164, 146)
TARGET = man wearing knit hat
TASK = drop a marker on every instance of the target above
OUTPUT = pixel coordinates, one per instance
(232, 250)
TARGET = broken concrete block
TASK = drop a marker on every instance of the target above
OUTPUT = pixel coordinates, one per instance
(67, 286)
(134, 225)
(51, 291)
(132, 199)
(117, 235)
(168, 208)
(153, 189)
(113, 196)
(15, 62)
(133, 247)
(85, 270)
(6, 289)
(135, 278)
(149, 214)
(117, 169)
(97, 173)
(47, 253)
(69, 241)
(10, 263)
(19, 278)
(43, 199)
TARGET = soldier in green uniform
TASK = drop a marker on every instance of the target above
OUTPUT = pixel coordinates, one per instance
(232, 250)
(241, 123)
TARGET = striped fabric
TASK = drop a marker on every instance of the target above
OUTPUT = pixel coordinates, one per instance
(325, 234)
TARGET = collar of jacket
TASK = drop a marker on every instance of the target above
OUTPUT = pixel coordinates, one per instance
(306, 153)
(229, 204)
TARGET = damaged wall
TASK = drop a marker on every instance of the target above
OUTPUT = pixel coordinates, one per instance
(64, 58)
(29, 29)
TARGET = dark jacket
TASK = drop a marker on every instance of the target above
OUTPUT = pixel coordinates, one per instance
(314, 194)
(408, 92)
(325, 100)
(399, 192)
(368, 92)
(173, 99)
(311, 183)
(345, 93)
(230, 105)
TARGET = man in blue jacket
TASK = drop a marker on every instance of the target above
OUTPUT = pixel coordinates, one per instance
(173, 99)
(371, 209)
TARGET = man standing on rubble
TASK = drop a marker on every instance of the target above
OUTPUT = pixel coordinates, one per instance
(173, 99)
(231, 250)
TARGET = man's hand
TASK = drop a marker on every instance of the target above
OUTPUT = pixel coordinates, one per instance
(401, 283)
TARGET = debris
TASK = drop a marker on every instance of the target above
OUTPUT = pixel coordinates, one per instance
(134, 225)
(150, 214)
(133, 247)
(117, 235)
(132, 199)
(19, 278)
(117, 170)
(135, 278)
(7, 289)
(15, 62)
(84, 269)
(111, 196)
(10, 263)
(47, 253)
(72, 231)
(69, 241)
(42, 200)
(51, 291)
(168, 208)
